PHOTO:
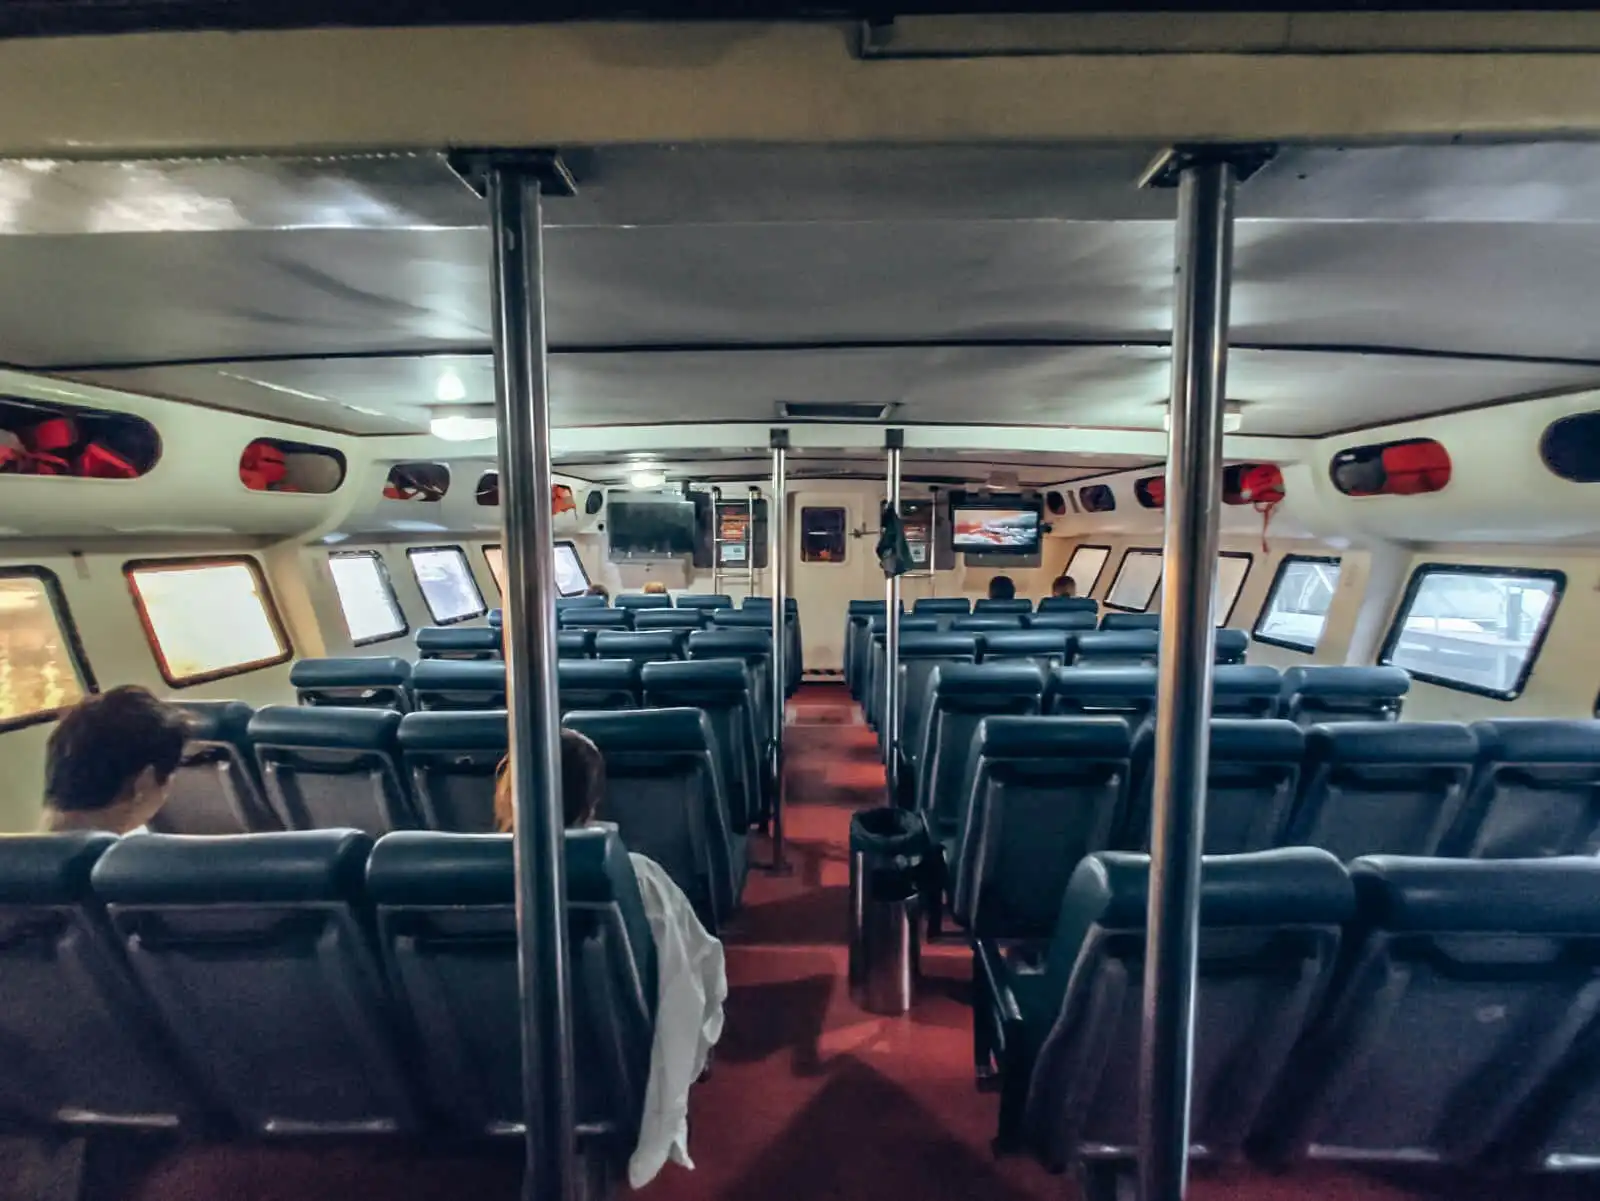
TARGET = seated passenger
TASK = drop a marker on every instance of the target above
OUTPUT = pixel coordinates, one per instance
(1002, 587)
(109, 760)
(1064, 585)
(598, 590)
(689, 964)
(655, 588)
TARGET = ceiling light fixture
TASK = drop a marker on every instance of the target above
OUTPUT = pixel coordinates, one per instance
(462, 429)
(648, 479)
(1232, 418)
(449, 389)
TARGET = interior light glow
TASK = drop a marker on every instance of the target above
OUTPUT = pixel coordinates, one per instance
(462, 429)
(450, 389)
(648, 479)
(1232, 419)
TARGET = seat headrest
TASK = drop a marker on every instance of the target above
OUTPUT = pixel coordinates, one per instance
(1125, 643)
(908, 625)
(484, 730)
(1245, 679)
(1510, 896)
(375, 672)
(942, 604)
(644, 600)
(1232, 644)
(1538, 740)
(1069, 604)
(1334, 681)
(705, 600)
(421, 867)
(216, 721)
(49, 869)
(937, 646)
(585, 601)
(1294, 886)
(1081, 620)
(1131, 621)
(457, 638)
(726, 643)
(667, 619)
(612, 644)
(622, 674)
(651, 730)
(329, 727)
(1243, 740)
(990, 681)
(1104, 683)
(983, 623)
(698, 676)
(594, 618)
(1016, 604)
(459, 675)
(576, 640)
(1449, 743)
(868, 607)
(496, 618)
(742, 619)
(1025, 642)
(1053, 738)
(790, 604)
(302, 865)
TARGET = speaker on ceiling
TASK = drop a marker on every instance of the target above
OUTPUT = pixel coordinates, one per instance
(1056, 503)
(594, 502)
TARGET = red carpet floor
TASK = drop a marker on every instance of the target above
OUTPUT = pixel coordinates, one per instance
(810, 1098)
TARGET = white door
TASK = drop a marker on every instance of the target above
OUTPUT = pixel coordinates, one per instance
(830, 566)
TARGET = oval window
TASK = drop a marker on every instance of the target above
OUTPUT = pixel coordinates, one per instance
(489, 489)
(1570, 448)
(278, 465)
(1151, 491)
(417, 481)
(1403, 468)
(1252, 484)
(66, 440)
(1097, 498)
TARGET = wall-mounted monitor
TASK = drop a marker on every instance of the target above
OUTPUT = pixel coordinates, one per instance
(654, 528)
(995, 527)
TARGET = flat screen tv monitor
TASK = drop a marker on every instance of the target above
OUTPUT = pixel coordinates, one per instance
(650, 529)
(995, 529)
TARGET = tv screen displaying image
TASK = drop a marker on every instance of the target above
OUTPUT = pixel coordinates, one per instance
(642, 529)
(1001, 531)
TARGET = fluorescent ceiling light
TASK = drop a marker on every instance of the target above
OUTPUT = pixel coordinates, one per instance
(462, 429)
(450, 389)
(648, 479)
(1232, 419)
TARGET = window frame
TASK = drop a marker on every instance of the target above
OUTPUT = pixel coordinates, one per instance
(844, 535)
(1249, 566)
(483, 604)
(62, 612)
(1122, 564)
(269, 605)
(388, 582)
(1419, 575)
(1104, 563)
(582, 570)
(499, 547)
(1272, 590)
(489, 563)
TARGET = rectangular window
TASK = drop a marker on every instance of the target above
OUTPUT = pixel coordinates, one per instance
(1232, 568)
(822, 535)
(371, 612)
(41, 665)
(207, 618)
(1297, 603)
(1136, 580)
(1478, 629)
(571, 578)
(1085, 567)
(447, 584)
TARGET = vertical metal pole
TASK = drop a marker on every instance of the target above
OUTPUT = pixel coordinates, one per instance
(750, 541)
(894, 441)
(778, 562)
(522, 410)
(1188, 637)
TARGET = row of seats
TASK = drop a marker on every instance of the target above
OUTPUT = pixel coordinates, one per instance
(1040, 793)
(282, 985)
(1405, 1010)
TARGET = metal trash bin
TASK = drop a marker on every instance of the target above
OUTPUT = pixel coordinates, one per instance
(887, 851)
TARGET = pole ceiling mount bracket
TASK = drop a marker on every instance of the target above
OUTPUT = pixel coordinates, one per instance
(1247, 158)
(473, 168)
(778, 439)
(894, 439)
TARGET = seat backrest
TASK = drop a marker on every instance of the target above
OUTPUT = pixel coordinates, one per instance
(83, 1047)
(995, 606)
(595, 618)
(1118, 648)
(742, 619)
(1244, 690)
(933, 605)
(652, 646)
(496, 618)
(1231, 645)
(643, 600)
(664, 791)
(1465, 982)
(450, 761)
(960, 696)
(1046, 791)
(1373, 788)
(1130, 621)
(1251, 781)
(455, 684)
(984, 623)
(575, 644)
(333, 768)
(446, 918)
(857, 641)
(377, 682)
(1069, 604)
(597, 684)
(254, 949)
(458, 642)
(875, 658)
(216, 789)
(721, 688)
(790, 604)
(1092, 691)
(704, 601)
(1536, 790)
(669, 619)
(1069, 621)
(919, 655)
(1269, 936)
(584, 601)
(1047, 649)
(1322, 694)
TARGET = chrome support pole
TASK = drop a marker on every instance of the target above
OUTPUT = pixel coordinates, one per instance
(522, 411)
(778, 561)
(1188, 636)
(894, 442)
(750, 541)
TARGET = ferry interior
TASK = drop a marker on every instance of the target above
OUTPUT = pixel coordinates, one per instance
(250, 460)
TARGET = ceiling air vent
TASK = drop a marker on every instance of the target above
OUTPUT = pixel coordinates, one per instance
(825, 410)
